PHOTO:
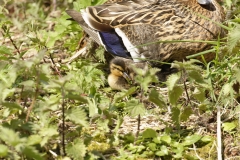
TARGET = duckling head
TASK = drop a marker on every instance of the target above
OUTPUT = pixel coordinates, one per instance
(118, 78)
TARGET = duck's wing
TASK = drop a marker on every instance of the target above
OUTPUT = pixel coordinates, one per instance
(110, 40)
(133, 12)
(78, 18)
(129, 12)
(127, 24)
(103, 22)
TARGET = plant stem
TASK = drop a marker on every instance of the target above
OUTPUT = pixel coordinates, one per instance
(219, 137)
(63, 123)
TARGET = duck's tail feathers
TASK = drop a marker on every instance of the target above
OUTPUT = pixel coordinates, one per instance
(78, 18)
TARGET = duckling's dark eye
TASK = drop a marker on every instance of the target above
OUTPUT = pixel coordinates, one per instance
(117, 69)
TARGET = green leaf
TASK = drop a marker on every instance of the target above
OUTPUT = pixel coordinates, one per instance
(199, 94)
(77, 149)
(59, 29)
(93, 109)
(3, 150)
(132, 147)
(76, 97)
(233, 38)
(149, 133)
(98, 2)
(189, 140)
(178, 154)
(156, 98)
(129, 138)
(103, 125)
(9, 136)
(145, 77)
(8, 74)
(157, 140)
(229, 3)
(237, 75)
(79, 4)
(229, 126)
(53, 37)
(78, 116)
(152, 146)
(227, 88)
(178, 150)
(47, 133)
(140, 148)
(32, 153)
(197, 76)
(163, 151)
(166, 138)
(175, 115)
(6, 93)
(172, 81)
(174, 94)
(34, 139)
(100, 54)
(120, 95)
(187, 111)
(207, 139)
(135, 108)
(13, 107)
(4, 50)
(62, 23)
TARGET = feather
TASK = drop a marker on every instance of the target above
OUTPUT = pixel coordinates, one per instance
(134, 28)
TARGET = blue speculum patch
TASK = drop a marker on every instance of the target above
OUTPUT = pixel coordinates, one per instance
(114, 45)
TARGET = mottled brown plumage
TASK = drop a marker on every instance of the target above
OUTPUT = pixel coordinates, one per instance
(148, 21)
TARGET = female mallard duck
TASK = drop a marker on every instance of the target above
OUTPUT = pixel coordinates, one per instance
(122, 72)
(134, 28)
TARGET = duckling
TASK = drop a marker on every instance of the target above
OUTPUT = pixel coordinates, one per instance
(122, 73)
(134, 28)
(118, 78)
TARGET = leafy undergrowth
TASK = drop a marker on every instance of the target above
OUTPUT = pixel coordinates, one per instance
(53, 107)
